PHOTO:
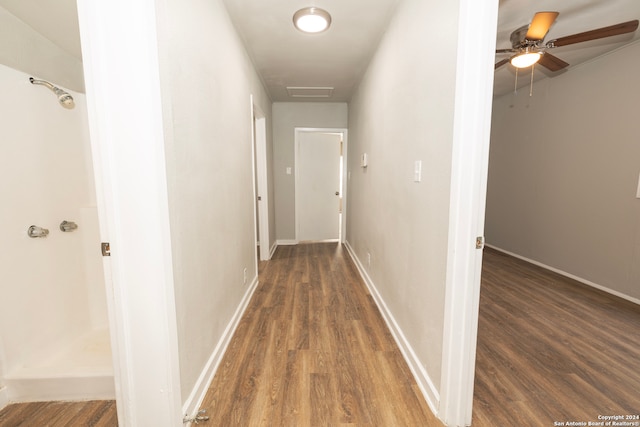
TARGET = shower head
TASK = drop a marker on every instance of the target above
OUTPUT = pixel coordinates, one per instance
(64, 98)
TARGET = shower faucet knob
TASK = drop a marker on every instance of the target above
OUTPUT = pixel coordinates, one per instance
(67, 226)
(34, 232)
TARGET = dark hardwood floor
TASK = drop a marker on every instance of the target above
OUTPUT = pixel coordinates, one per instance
(312, 350)
(97, 413)
(551, 350)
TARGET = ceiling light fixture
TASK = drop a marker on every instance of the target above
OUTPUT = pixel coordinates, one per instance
(312, 20)
(525, 59)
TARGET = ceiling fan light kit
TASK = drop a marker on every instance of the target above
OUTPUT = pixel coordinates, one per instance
(525, 59)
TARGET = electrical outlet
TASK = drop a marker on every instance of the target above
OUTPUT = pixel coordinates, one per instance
(244, 276)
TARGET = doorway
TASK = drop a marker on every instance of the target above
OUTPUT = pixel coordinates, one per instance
(320, 187)
(261, 189)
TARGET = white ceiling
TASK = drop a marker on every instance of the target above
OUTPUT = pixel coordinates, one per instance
(337, 58)
(285, 56)
(56, 20)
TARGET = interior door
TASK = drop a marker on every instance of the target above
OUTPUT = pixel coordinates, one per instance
(261, 182)
(318, 189)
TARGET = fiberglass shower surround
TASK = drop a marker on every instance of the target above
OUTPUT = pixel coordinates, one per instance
(53, 310)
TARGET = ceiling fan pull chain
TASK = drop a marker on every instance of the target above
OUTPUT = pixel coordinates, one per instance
(531, 87)
(515, 88)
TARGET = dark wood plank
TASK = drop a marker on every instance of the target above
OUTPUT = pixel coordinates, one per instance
(96, 413)
(551, 349)
(329, 359)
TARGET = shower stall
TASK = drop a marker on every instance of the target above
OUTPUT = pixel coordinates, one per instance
(54, 338)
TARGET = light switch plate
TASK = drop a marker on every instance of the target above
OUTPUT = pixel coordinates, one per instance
(638, 191)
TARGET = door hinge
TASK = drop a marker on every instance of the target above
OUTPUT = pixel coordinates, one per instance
(106, 248)
(480, 242)
(197, 419)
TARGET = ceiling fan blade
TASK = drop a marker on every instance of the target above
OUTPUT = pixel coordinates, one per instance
(613, 30)
(540, 25)
(552, 62)
(501, 63)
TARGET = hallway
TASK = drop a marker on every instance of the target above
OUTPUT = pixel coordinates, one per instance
(313, 350)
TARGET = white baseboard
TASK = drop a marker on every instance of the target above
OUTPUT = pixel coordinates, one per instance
(569, 275)
(273, 249)
(191, 406)
(286, 242)
(4, 397)
(431, 394)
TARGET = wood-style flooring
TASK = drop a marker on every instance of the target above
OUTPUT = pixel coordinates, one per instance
(97, 413)
(312, 350)
(551, 350)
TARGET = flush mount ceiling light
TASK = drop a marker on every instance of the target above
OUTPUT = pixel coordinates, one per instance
(312, 20)
(525, 59)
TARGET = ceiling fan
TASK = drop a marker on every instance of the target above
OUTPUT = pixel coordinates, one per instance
(528, 46)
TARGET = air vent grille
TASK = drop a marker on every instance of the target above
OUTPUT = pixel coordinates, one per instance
(309, 92)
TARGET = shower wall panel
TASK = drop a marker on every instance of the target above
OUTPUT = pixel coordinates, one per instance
(47, 299)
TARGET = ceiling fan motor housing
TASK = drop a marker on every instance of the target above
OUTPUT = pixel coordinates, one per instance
(518, 37)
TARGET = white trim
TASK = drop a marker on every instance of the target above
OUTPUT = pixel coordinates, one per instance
(129, 138)
(428, 389)
(4, 397)
(199, 391)
(345, 146)
(469, 167)
(273, 249)
(286, 243)
(569, 275)
(261, 184)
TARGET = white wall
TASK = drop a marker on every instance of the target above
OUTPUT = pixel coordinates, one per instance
(207, 81)
(403, 111)
(563, 173)
(22, 48)
(49, 296)
(286, 117)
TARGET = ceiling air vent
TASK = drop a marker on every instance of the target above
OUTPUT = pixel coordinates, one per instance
(309, 92)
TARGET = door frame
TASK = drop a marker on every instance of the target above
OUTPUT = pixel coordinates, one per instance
(470, 164)
(128, 143)
(261, 180)
(344, 132)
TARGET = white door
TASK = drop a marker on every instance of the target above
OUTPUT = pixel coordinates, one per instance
(261, 188)
(318, 189)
